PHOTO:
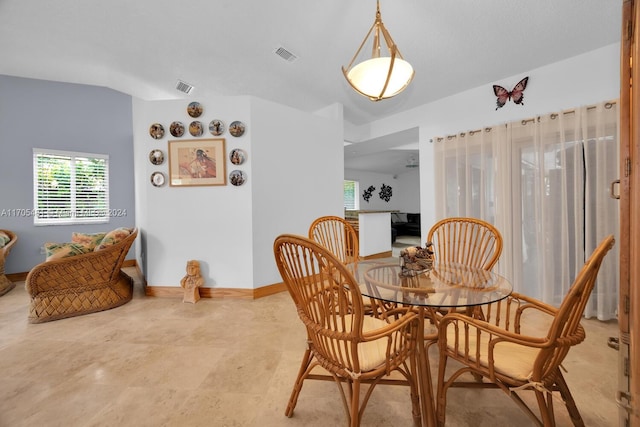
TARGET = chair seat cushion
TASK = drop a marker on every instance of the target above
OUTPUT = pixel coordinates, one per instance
(510, 359)
(371, 354)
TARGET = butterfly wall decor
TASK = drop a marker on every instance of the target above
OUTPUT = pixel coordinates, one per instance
(516, 94)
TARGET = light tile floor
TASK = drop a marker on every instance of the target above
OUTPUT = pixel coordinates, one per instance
(225, 362)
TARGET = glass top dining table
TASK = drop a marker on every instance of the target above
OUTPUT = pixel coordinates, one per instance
(444, 286)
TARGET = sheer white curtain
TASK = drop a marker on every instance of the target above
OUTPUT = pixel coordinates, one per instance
(544, 183)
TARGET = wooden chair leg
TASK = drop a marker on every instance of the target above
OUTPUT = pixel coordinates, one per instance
(297, 386)
(415, 394)
(563, 388)
(525, 408)
(543, 405)
(355, 404)
(441, 393)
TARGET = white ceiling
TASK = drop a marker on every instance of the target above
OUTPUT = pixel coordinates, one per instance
(226, 47)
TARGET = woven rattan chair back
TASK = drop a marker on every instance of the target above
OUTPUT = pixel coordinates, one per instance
(5, 284)
(566, 327)
(329, 304)
(497, 349)
(467, 241)
(337, 235)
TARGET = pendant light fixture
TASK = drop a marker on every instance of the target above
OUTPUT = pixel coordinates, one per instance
(385, 73)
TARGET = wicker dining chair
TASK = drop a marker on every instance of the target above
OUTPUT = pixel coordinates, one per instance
(338, 236)
(352, 347)
(468, 241)
(519, 345)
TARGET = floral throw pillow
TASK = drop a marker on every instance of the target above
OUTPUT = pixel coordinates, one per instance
(4, 239)
(113, 237)
(90, 240)
(64, 250)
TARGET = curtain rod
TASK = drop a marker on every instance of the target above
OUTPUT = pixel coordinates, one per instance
(553, 116)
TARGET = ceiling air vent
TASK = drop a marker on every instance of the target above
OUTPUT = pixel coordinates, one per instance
(285, 54)
(184, 87)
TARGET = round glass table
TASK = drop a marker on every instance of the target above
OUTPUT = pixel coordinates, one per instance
(445, 286)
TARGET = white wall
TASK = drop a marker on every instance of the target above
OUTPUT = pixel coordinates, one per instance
(182, 223)
(374, 233)
(366, 179)
(296, 176)
(581, 80)
(408, 194)
(229, 229)
(405, 190)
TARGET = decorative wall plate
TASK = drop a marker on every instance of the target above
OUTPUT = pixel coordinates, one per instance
(196, 128)
(237, 156)
(216, 127)
(236, 128)
(157, 179)
(237, 177)
(194, 109)
(156, 157)
(156, 131)
(176, 129)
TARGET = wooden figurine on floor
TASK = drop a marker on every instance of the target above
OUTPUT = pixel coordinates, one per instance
(191, 282)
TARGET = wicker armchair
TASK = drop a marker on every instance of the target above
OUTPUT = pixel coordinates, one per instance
(352, 347)
(80, 284)
(5, 284)
(338, 236)
(519, 345)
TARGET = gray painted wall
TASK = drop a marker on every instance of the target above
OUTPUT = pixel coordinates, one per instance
(62, 116)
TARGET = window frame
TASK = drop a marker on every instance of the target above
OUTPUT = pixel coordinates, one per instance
(90, 213)
(356, 194)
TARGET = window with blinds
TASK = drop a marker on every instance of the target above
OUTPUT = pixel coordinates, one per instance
(70, 188)
(351, 195)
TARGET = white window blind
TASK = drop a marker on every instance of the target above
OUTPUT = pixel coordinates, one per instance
(70, 187)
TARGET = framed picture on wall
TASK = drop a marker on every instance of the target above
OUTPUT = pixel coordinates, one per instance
(197, 162)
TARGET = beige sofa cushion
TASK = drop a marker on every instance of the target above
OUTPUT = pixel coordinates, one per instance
(113, 237)
(4, 239)
(64, 250)
(90, 240)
